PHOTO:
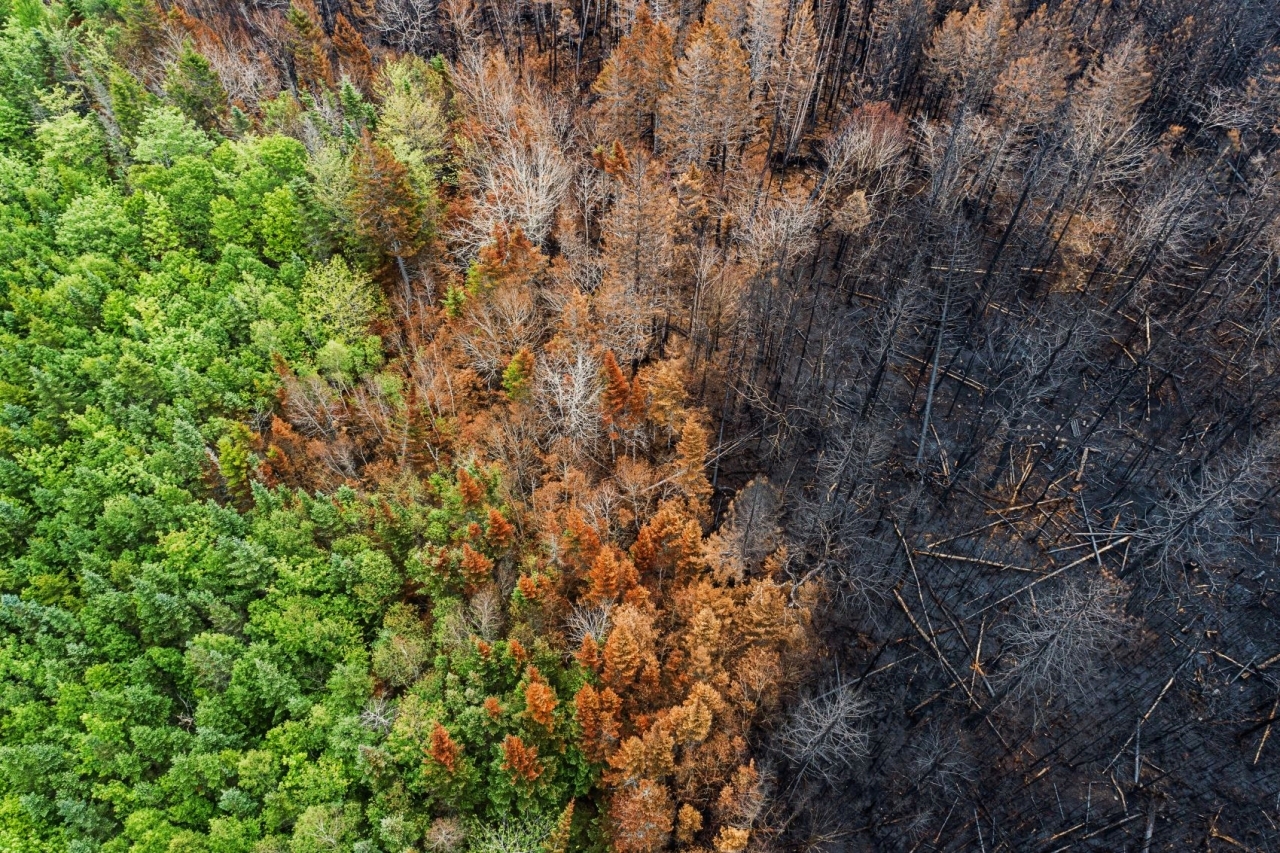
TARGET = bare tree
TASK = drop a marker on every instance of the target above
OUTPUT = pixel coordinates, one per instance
(409, 25)
(379, 715)
(589, 620)
(1052, 645)
(827, 734)
(567, 391)
(486, 613)
(498, 324)
(518, 167)
(1202, 510)
(445, 835)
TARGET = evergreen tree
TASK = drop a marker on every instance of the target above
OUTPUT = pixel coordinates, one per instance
(353, 54)
(708, 112)
(385, 208)
(309, 46)
(194, 87)
(634, 79)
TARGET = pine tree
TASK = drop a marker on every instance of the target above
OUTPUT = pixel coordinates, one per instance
(669, 546)
(129, 100)
(498, 531)
(477, 569)
(143, 29)
(617, 391)
(1032, 86)
(518, 375)
(792, 81)
(611, 576)
(383, 203)
(195, 88)
(1104, 115)
(634, 78)
(558, 840)
(637, 254)
(520, 759)
(598, 715)
(764, 30)
(443, 749)
(470, 489)
(685, 134)
(642, 818)
(729, 15)
(308, 46)
(353, 53)
(235, 462)
(708, 112)
(540, 700)
(967, 51)
(734, 119)
(581, 543)
(691, 456)
(629, 648)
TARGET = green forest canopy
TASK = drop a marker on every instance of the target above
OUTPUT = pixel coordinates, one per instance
(189, 657)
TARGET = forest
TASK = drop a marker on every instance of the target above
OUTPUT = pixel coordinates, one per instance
(541, 426)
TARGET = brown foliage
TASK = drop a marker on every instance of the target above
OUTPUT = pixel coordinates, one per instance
(634, 78)
(617, 392)
(691, 456)
(353, 53)
(598, 713)
(520, 760)
(582, 543)
(444, 750)
(641, 818)
(384, 205)
(308, 45)
(476, 567)
(469, 488)
(669, 546)
(498, 531)
(667, 265)
(688, 823)
(647, 756)
(588, 653)
(612, 575)
(540, 700)
(510, 258)
(607, 499)
(630, 647)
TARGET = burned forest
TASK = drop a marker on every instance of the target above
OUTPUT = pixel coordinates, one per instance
(497, 426)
